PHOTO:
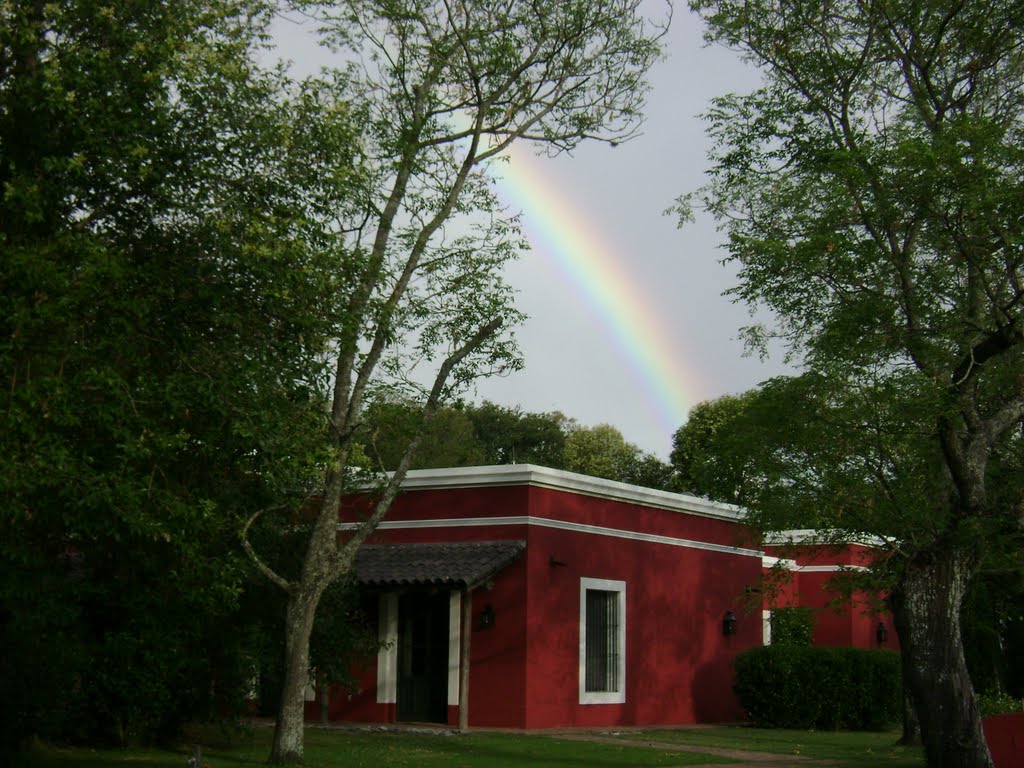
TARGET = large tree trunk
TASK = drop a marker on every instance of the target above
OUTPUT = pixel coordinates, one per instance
(911, 736)
(288, 731)
(926, 609)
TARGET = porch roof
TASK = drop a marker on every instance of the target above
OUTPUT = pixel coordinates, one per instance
(465, 564)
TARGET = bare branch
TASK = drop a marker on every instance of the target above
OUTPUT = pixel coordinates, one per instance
(263, 568)
(429, 409)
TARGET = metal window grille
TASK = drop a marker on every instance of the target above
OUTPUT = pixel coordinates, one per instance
(602, 649)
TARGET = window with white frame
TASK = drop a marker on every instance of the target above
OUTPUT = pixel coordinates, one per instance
(602, 674)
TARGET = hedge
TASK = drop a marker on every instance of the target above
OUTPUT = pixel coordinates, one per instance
(822, 688)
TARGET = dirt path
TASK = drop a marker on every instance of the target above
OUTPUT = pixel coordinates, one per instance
(744, 758)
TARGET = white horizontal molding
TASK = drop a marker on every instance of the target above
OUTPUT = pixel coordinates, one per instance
(572, 482)
(779, 563)
(562, 525)
(829, 568)
(812, 536)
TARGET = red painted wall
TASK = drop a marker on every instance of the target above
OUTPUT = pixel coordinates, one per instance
(1005, 737)
(524, 670)
(679, 666)
(848, 623)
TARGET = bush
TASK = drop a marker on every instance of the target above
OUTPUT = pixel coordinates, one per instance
(791, 686)
(998, 703)
(792, 626)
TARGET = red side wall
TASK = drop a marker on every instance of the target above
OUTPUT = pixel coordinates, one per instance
(1005, 737)
(679, 666)
(853, 623)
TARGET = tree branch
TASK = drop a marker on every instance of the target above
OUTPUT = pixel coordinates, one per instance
(263, 568)
(394, 485)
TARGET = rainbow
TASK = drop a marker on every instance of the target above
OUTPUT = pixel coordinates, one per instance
(572, 244)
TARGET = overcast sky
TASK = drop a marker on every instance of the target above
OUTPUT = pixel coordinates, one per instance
(613, 218)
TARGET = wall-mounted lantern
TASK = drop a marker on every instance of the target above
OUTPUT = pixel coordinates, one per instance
(487, 617)
(729, 624)
(881, 633)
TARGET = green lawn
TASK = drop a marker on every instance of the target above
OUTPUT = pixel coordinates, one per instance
(344, 748)
(374, 749)
(847, 749)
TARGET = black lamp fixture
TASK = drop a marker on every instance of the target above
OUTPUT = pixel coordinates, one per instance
(487, 617)
(729, 624)
(881, 633)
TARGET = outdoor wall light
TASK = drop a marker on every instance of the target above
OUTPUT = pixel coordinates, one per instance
(487, 617)
(881, 633)
(729, 624)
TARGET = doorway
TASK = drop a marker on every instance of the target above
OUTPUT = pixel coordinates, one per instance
(423, 657)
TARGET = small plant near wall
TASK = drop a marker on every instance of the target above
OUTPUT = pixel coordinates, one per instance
(792, 626)
(998, 703)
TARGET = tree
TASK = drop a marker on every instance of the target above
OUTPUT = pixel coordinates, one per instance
(871, 190)
(168, 299)
(649, 471)
(510, 436)
(602, 451)
(705, 462)
(599, 451)
(443, 89)
(448, 439)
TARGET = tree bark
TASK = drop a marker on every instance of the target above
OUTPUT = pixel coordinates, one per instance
(926, 609)
(911, 736)
(288, 731)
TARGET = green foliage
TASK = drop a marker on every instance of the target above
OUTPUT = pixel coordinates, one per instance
(793, 686)
(441, 91)
(860, 188)
(792, 626)
(344, 637)
(872, 190)
(602, 451)
(169, 284)
(448, 438)
(998, 704)
(708, 454)
(468, 435)
(511, 436)
(599, 451)
(993, 629)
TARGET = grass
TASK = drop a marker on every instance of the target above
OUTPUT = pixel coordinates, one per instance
(352, 748)
(373, 749)
(846, 749)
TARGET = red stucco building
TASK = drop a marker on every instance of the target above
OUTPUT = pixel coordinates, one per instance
(524, 597)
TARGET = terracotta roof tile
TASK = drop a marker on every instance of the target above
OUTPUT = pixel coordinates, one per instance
(463, 564)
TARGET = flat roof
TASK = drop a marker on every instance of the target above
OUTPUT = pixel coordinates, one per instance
(571, 482)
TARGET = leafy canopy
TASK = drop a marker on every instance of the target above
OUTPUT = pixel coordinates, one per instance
(169, 281)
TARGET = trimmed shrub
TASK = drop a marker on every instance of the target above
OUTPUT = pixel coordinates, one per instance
(998, 703)
(792, 626)
(791, 686)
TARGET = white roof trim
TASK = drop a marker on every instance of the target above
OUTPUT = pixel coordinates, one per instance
(572, 482)
(830, 568)
(545, 522)
(815, 536)
(767, 561)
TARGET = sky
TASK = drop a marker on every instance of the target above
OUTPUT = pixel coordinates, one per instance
(627, 324)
